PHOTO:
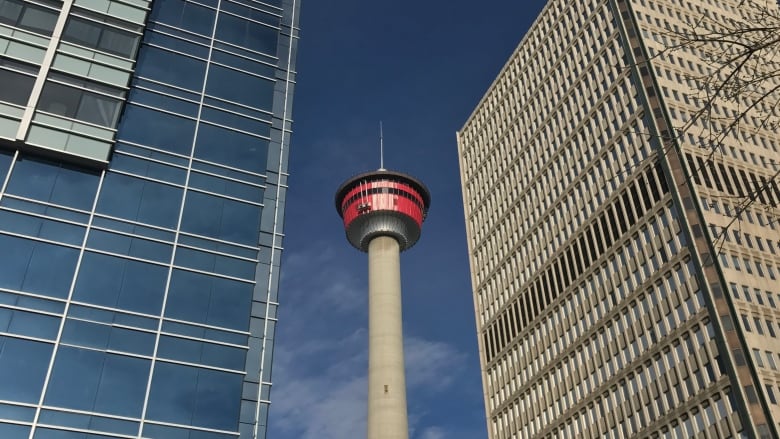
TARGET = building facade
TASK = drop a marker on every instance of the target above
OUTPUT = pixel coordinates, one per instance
(143, 173)
(623, 285)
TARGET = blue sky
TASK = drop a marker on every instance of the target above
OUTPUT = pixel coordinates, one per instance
(420, 67)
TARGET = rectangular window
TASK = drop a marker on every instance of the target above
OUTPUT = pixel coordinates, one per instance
(100, 108)
(100, 36)
(17, 80)
(28, 16)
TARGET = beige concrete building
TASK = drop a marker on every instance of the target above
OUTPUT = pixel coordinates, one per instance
(616, 293)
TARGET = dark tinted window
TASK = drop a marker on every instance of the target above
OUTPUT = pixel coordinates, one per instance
(28, 16)
(100, 36)
(16, 87)
(79, 104)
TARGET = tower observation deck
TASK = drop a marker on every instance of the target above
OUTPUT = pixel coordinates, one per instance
(383, 212)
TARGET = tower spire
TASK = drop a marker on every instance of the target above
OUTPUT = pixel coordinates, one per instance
(381, 148)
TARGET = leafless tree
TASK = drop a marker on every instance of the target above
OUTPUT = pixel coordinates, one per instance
(737, 93)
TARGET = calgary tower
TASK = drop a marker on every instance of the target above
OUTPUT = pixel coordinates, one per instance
(383, 212)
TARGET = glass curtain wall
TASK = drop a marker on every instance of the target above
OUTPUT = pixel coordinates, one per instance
(139, 299)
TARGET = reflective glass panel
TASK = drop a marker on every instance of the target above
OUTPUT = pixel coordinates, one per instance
(208, 299)
(23, 365)
(140, 200)
(53, 182)
(221, 218)
(98, 381)
(120, 283)
(157, 129)
(194, 396)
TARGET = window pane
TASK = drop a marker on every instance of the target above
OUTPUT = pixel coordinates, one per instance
(59, 99)
(90, 380)
(231, 148)
(79, 104)
(79, 31)
(98, 109)
(5, 164)
(54, 183)
(10, 10)
(184, 15)
(120, 283)
(27, 266)
(240, 87)
(23, 366)
(171, 68)
(248, 34)
(29, 323)
(221, 218)
(118, 42)
(193, 396)
(157, 129)
(140, 200)
(201, 298)
(99, 36)
(16, 87)
(37, 19)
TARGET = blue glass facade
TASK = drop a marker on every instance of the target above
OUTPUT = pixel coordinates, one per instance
(143, 168)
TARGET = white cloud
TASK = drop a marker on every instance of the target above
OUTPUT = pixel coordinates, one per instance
(321, 355)
(329, 401)
(432, 433)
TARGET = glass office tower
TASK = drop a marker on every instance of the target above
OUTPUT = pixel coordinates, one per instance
(622, 286)
(143, 172)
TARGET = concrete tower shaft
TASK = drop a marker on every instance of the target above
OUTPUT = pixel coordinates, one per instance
(383, 213)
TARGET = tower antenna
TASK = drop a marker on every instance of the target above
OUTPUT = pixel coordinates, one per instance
(381, 148)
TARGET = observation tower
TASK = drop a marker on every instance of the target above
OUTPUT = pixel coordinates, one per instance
(383, 212)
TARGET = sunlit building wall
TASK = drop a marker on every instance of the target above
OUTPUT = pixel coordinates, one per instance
(609, 301)
(143, 173)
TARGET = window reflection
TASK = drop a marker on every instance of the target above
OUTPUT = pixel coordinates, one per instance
(232, 148)
(185, 15)
(157, 129)
(140, 200)
(23, 365)
(194, 396)
(221, 218)
(27, 266)
(120, 283)
(98, 381)
(240, 87)
(28, 16)
(100, 36)
(210, 300)
(251, 35)
(170, 68)
(54, 183)
(17, 80)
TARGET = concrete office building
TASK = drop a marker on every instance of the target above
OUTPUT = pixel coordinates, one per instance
(143, 170)
(609, 302)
